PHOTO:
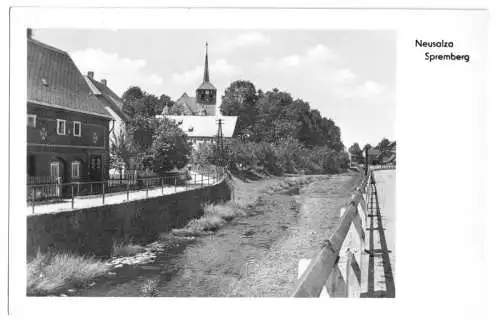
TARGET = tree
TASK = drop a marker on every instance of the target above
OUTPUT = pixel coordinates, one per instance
(122, 150)
(170, 148)
(139, 103)
(356, 153)
(239, 100)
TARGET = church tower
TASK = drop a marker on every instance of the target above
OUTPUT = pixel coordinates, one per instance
(206, 94)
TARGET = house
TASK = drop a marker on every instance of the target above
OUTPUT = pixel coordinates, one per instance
(67, 125)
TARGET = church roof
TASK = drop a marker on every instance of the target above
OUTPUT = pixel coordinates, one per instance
(186, 105)
(205, 126)
(54, 80)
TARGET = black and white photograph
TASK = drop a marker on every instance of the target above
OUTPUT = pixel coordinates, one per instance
(235, 164)
(252, 167)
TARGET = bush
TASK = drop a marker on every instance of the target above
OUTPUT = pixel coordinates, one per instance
(284, 156)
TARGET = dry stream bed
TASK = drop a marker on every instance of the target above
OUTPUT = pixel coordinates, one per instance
(255, 255)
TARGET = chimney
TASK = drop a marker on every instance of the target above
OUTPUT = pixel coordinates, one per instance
(90, 74)
(104, 81)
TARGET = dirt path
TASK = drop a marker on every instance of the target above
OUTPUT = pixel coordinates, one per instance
(252, 256)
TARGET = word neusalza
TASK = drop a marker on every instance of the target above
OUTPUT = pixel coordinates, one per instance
(451, 56)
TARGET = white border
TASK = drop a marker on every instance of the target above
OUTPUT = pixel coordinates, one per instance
(380, 314)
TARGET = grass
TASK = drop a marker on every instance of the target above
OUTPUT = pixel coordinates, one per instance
(150, 288)
(215, 216)
(50, 272)
(125, 248)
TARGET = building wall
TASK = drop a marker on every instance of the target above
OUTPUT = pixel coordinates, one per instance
(93, 142)
(92, 230)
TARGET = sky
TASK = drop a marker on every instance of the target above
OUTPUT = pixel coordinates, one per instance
(348, 75)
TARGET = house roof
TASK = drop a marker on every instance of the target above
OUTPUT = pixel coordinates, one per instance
(205, 126)
(54, 80)
(102, 91)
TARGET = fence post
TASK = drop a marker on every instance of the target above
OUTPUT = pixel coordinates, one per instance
(175, 184)
(72, 196)
(33, 200)
(103, 192)
(161, 179)
(147, 189)
(128, 187)
(202, 179)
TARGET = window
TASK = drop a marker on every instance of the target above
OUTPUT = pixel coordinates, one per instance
(77, 128)
(61, 127)
(32, 121)
(75, 169)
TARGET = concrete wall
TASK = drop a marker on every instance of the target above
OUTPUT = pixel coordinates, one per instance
(92, 230)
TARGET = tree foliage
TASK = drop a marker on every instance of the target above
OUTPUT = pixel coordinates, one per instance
(356, 153)
(275, 115)
(170, 148)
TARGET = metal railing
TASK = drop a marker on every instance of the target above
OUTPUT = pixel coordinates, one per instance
(51, 197)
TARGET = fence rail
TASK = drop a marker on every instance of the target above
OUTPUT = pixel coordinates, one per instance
(56, 195)
(339, 268)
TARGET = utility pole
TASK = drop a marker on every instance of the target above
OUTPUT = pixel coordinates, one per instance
(220, 144)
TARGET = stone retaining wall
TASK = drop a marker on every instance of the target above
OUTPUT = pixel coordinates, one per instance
(92, 230)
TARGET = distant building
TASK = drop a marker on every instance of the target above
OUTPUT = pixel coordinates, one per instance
(198, 116)
(203, 104)
(68, 126)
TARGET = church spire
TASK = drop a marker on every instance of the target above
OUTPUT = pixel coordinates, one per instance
(205, 76)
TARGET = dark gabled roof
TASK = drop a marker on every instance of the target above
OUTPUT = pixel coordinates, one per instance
(103, 91)
(54, 80)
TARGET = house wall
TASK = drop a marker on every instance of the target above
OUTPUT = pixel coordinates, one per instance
(92, 230)
(67, 148)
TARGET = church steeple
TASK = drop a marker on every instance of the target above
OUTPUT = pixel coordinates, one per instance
(206, 94)
(206, 77)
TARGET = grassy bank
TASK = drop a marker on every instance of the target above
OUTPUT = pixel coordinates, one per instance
(51, 272)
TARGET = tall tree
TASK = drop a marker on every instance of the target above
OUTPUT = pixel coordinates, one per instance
(239, 100)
